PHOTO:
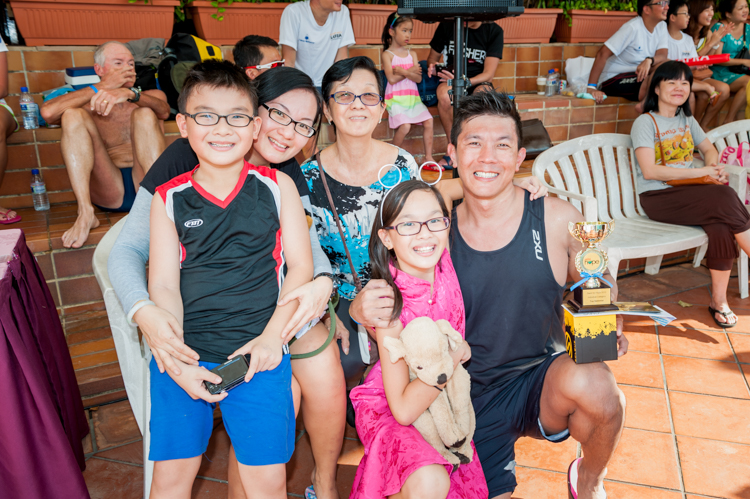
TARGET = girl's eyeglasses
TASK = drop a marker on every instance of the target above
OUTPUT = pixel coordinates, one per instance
(346, 98)
(414, 228)
(210, 119)
(282, 118)
(274, 64)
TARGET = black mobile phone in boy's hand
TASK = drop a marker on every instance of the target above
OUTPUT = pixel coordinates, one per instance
(232, 373)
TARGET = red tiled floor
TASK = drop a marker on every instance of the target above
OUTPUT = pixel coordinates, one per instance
(741, 345)
(717, 418)
(534, 484)
(638, 368)
(704, 376)
(114, 424)
(716, 469)
(129, 453)
(646, 409)
(617, 490)
(647, 458)
(541, 454)
(640, 338)
(693, 343)
(209, 489)
(108, 479)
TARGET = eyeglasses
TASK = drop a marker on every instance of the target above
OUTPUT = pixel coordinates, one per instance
(282, 118)
(663, 3)
(687, 14)
(210, 119)
(414, 228)
(346, 98)
(274, 64)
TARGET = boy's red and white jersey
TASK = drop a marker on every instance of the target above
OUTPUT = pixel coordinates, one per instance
(231, 258)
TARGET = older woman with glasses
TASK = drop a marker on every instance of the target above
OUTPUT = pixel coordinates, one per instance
(356, 176)
(289, 109)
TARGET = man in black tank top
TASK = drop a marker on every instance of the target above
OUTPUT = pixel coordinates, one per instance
(513, 257)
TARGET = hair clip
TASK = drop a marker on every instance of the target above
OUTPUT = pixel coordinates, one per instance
(387, 188)
(429, 164)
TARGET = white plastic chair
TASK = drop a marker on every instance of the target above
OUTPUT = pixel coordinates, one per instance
(596, 174)
(732, 134)
(132, 355)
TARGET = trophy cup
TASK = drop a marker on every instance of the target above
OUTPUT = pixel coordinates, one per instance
(592, 292)
(590, 321)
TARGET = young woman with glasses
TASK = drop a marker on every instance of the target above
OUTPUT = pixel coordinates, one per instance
(289, 108)
(735, 12)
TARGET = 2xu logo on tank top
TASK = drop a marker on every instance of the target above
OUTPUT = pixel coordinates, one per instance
(196, 222)
(537, 244)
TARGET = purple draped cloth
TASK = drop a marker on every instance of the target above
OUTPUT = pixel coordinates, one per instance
(42, 420)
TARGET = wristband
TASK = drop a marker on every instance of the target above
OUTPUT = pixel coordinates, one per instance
(715, 47)
(92, 87)
(591, 85)
(138, 305)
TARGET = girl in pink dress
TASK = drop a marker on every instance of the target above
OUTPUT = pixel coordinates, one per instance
(410, 252)
(403, 72)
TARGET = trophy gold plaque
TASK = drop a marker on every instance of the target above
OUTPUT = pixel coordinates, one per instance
(592, 292)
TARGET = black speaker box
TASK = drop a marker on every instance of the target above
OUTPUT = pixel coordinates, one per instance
(469, 10)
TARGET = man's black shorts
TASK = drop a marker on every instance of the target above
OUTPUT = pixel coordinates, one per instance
(623, 85)
(508, 414)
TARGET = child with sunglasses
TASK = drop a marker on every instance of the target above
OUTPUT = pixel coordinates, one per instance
(410, 251)
(403, 72)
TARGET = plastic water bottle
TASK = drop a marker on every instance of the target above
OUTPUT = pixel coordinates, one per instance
(29, 109)
(551, 88)
(39, 191)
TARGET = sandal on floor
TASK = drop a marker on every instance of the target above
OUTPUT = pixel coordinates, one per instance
(713, 313)
(310, 493)
(448, 163)
(7, 220)
(573, 479)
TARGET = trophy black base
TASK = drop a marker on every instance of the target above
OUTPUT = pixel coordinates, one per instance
(592, 299)
(590, 338)
(581, 309)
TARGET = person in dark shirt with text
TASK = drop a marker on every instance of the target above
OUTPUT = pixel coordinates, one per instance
(483, 51)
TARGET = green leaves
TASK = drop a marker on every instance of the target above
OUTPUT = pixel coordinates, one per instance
(601, 5)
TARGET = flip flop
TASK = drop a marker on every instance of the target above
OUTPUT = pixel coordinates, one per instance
(310, 493)
(448, 163)
(713, 313)
(7, 220)
(573, 479)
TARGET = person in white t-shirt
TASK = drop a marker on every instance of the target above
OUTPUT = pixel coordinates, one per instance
(705, 90)
(314, 34)
(8, 125)
(625, 61)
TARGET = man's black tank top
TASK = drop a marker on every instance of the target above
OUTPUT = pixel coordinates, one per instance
(513, 304)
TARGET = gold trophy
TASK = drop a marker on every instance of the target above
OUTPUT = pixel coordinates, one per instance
(592, 292)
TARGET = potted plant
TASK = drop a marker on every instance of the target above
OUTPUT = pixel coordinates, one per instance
(92, 22)
(223, 22)
(533, 26)
(368, 20)
(595, 21)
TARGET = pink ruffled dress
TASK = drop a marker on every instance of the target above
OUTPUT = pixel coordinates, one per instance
(393, 451)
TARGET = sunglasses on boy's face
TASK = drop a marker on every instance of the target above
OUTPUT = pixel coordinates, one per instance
(274, 64)
(210, 119)
(414, 228)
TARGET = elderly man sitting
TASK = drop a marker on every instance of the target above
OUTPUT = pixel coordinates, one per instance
(111, 135)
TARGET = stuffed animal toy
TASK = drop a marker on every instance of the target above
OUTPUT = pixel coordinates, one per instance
(449, 423)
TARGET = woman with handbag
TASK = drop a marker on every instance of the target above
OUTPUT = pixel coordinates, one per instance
(736, 72)
(706, 90)
(672, 191)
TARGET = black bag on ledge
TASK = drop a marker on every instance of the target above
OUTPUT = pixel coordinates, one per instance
(535, 138)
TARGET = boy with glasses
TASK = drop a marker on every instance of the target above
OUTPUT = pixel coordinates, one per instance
(625, 61)
(227, 238)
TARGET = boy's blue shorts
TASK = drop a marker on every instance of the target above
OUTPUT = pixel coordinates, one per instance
(258, 416)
